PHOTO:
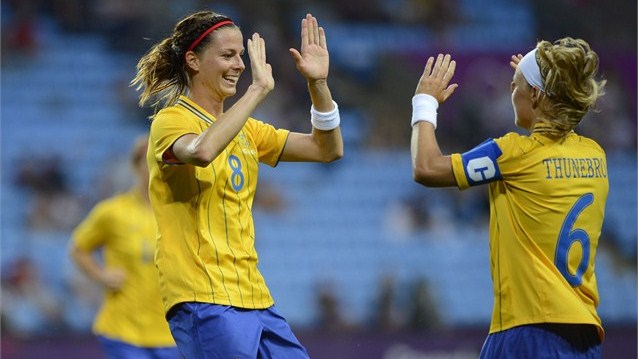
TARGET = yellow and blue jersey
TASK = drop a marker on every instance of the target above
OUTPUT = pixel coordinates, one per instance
(124, 228)
(547, 205)
(206, 245)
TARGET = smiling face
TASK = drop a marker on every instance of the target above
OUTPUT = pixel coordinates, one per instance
(522, 101)
(219, 66)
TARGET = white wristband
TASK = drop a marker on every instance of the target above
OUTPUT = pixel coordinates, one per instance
(424, 109)
(325, 121)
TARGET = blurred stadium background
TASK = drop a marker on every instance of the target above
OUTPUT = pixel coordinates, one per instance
(362, 262)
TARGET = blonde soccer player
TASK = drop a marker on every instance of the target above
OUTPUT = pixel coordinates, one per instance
(204, 160)
(547, 193)
(130, 323)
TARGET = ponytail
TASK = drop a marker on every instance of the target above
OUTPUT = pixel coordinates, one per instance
(161, 75)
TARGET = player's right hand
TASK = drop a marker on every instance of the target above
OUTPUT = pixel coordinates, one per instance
(261, 70)
(436, 78)
(515, 60)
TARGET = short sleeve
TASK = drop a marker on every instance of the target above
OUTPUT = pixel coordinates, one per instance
(166, 128)
(270, 141)
(93, 231)
(477, 166)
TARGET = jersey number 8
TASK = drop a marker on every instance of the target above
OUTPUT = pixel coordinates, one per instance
(237, 177)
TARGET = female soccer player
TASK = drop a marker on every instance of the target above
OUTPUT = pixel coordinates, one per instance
(131, 323)
(547, 196)
(203, 161)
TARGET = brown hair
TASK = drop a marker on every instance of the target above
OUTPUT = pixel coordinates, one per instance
(162, 72)
(568, 68)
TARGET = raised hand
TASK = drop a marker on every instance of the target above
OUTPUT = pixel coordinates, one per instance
(313, 60)
(515, 60)
(261, 70)
(435, 79)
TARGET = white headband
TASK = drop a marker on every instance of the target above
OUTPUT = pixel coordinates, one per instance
(531, 71)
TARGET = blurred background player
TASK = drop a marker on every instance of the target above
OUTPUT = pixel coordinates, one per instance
(131, 322)
(203, 161)
(69, 115)
(547, 194)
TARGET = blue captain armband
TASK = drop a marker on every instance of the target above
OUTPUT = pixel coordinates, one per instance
(480, 163)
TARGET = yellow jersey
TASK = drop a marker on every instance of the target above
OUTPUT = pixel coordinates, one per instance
(206, 238)
(547, 204)
(124, 228)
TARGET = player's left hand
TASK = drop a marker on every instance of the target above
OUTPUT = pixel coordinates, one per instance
(313, 60)
(436, 78)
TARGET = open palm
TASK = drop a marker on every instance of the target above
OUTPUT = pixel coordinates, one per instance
(261, 70)
(313, 61)
(436, 77)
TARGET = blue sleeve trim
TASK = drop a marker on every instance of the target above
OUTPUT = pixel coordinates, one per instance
(480, 163)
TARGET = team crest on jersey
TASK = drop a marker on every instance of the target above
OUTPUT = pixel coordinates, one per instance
(245, 144)
(243, 140)
(480, 163)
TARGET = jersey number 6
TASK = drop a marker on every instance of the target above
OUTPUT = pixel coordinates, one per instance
(566, 238)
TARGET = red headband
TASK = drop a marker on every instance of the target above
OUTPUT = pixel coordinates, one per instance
(211, 29)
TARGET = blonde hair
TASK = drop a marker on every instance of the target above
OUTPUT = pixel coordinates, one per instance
(568, 68)
(162, 73)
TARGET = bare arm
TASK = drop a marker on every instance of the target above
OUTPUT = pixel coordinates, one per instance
(112, 279)
(201, 150)
(313, 63)
(429, 166)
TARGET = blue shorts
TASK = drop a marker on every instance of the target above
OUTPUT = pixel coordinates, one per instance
(207, 331)
(547, 340)
(115, 349)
